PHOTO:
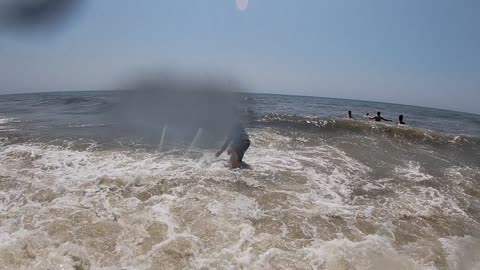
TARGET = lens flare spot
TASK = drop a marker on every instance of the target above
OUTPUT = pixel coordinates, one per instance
(242, 5)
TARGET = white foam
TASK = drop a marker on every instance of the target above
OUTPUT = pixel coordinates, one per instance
(5, 124)
(373, 252)
(413, 172)
(6, 120)
(137, 209)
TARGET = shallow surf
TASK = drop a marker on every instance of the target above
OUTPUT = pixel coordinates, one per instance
(323, 193)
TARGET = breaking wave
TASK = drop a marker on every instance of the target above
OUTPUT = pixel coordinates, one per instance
(321, 125)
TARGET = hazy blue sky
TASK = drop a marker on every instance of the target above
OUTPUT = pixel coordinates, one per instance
(421, 52)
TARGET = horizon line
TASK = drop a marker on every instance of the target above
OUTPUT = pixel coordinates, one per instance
(267, 93)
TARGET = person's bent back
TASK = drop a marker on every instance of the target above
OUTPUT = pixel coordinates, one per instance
(237, 142)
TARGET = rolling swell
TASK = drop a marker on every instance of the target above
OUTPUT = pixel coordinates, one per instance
(324, 126)
(54, 99)
(82, 192)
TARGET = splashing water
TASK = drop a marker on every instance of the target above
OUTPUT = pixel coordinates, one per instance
(320, 195)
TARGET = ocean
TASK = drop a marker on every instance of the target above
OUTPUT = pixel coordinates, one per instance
(111, 180)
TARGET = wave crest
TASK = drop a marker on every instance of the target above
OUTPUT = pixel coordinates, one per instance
(359, 126)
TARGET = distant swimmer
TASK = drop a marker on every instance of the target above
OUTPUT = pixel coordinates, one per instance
(239, 142)
(349, 115)
(378, 118)
(400, 120)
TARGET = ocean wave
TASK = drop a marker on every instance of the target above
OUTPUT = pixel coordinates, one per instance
(5, 120)
(51, 100)
(308, 207)
(8, 120)
(72, 100)
(360, 126)
(6, 124)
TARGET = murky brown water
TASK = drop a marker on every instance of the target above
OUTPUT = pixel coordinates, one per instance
(347, 202)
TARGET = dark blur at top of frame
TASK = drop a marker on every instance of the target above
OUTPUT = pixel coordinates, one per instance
(29, 16)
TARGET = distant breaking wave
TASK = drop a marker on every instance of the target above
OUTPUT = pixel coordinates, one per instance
(363, 126)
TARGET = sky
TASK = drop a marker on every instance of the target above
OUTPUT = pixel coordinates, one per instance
(416, 52)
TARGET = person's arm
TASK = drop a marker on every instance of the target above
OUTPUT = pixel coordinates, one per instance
(386, 120)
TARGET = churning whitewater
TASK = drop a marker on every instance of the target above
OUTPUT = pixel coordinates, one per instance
(323, 192)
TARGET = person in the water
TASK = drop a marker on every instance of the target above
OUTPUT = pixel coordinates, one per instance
(378, 118)
(239, 142)
(350, 115)
(400, 120)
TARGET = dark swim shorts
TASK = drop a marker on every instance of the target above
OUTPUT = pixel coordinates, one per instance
(240, 148)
